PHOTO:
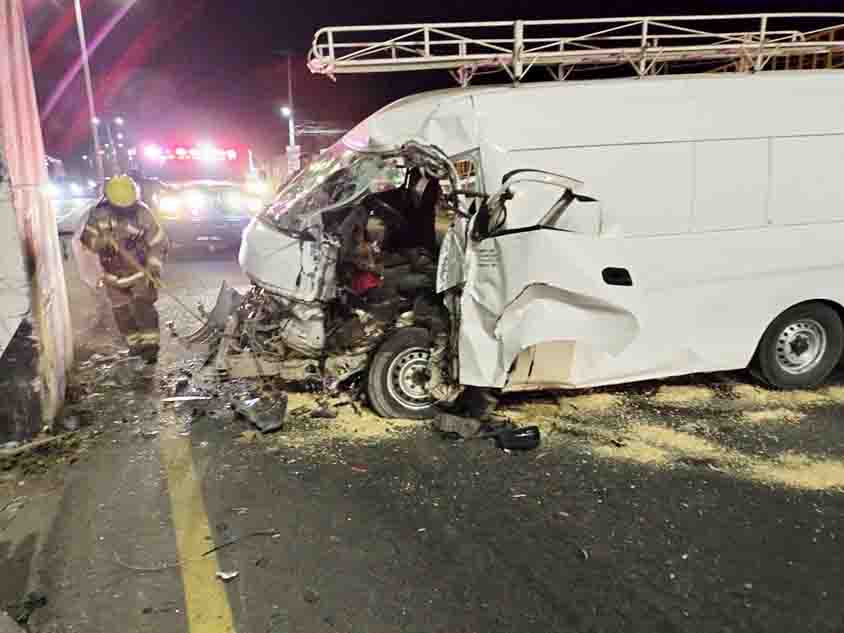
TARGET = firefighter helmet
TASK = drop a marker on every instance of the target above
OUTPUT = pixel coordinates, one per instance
(122, 191)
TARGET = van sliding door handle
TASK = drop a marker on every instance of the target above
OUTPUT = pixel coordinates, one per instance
(617, 277)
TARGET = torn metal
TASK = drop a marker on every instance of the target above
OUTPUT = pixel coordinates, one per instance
(337, 264)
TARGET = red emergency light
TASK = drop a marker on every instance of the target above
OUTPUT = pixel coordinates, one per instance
(205, 153)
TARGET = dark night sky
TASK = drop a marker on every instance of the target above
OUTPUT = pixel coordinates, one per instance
(179, 69)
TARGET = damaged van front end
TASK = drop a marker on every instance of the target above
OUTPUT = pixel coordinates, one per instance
(341, 262)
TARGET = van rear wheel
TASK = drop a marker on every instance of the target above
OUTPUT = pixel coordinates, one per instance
(800, 348)
(398, 376)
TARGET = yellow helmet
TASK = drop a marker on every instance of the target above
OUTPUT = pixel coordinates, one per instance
(122, 191)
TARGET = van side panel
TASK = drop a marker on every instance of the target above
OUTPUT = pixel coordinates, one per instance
(807, 179)
(643, 189)
(731, 185)
(710, 273)
(700, 301)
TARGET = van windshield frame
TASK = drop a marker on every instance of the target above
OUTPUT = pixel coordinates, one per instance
(339, 177)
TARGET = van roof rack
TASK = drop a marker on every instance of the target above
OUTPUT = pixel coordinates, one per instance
(647, 45)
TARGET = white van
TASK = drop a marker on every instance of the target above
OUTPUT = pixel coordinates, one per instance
(622, 230)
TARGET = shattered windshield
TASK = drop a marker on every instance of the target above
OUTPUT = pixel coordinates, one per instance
(337, 177)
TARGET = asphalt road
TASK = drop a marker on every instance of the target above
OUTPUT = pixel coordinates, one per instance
(704, 504)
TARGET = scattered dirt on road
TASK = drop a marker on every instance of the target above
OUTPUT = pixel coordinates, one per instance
(659, 446)
(799, 471)
(636, 451)
(683, 395)
(361, 426)
(593, 403)
(773, 416)
(753, 395)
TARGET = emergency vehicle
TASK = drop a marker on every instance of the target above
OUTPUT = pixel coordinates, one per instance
(201, 193)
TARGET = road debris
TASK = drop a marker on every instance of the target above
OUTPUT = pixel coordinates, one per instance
(71, 423)
(21, 611)
(227, 576)
(149, 434)
(521, 439)
(180, 399)
(8, 625)
(14, 505)
(311, 596)
(323, 413)
(266, 417)
(181, 385)
(455, 427)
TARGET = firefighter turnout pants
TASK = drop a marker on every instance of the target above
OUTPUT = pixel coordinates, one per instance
(137, 319)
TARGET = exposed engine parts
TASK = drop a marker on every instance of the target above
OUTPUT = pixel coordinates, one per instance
(342, 272)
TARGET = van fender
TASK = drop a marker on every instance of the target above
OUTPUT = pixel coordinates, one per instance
(544, 314)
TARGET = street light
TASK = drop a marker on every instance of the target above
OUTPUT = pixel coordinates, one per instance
(287, 113)
(97, 122)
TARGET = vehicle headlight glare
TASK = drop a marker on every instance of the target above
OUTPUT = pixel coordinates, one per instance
(255, 205)
(170, 204)
(234, 200)
(195, 200)
(258, 187)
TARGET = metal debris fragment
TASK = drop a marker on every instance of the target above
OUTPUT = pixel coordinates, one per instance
(266, 417)
(323, 413)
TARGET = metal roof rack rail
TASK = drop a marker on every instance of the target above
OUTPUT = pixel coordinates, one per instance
(647, 45)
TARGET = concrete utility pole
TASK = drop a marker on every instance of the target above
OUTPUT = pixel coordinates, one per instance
(289, 113)
(290, 100)
(89, 89)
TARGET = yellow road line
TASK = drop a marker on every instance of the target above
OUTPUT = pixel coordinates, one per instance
(207, 604)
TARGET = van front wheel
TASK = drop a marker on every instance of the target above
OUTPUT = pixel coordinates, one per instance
(398, 376)
(801, 347)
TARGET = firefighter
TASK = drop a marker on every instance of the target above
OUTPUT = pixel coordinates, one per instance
(131, 246)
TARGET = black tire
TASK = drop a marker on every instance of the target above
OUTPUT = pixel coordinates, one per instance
(800, 348)
(397, 369)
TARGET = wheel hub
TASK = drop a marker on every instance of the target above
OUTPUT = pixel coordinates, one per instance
(408, 378)
(801, 346)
